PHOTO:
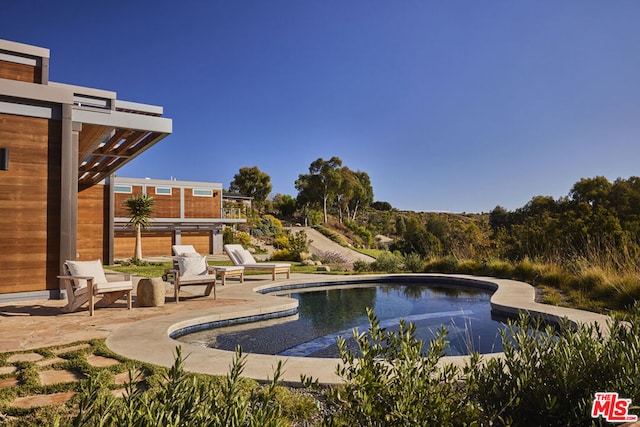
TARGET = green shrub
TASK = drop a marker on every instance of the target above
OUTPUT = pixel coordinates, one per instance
(227, 236)
(183, 399)
(315, 217)
(413, 262)
(329, 233)
(242, 238)
(627, 291)
(361, 266)
(296, 405)
(550, 295)
(362, 232)
(283, 255)
(448, 264)
(281, 242)
(391, 382)
(526, 271)
(469, 266)
(499, 268)
(387, 262)
(554, 276)
(551, 376)
(591, 279)
(293, 246)
(330, 257)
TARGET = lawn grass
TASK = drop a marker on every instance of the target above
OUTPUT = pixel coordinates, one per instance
(156, 269)
(374, 253)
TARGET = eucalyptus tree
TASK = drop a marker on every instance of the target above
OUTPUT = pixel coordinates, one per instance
(252, 182)
(140, 209)
(362, 195)
(321, 183)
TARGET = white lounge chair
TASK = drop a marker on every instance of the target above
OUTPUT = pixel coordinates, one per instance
(222, 272)
(85, 280)
(193, 270)
(242, 257)
(183, 249)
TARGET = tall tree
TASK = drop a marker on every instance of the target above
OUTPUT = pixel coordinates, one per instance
(140, 210)
(284, 204)
(345, 190)
(252, 182)
(362, 194)
(321, 183)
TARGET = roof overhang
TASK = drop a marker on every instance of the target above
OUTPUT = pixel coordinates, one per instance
(110, 132)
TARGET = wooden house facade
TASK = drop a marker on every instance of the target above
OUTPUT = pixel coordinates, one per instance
(58, 142)
(184, 213)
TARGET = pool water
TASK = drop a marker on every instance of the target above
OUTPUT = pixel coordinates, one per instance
(324, 315)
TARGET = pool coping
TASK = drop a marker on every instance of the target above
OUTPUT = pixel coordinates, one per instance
(150, 340)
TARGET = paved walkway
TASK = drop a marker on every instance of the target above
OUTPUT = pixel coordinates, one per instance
(34, 324)
(149, 340)
(321, 244)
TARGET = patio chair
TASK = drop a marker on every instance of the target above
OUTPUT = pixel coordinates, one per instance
(193, 270)
(242, 257)
(221, 272)
(181, 250)
(85, 280)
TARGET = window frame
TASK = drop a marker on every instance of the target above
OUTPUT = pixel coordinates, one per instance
(170, 189)
(209, 192)
(122, 188)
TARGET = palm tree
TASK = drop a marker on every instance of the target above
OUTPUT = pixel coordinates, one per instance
(140, 212)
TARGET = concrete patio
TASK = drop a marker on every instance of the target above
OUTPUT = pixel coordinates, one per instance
(143, 332)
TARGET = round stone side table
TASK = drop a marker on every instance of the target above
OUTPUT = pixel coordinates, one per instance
(150, 292)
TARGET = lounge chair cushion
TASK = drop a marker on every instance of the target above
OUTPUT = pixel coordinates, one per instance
(190, 254)
(115, 286)
(183, 249)
(87, 269)
(192, 266)
(245, 257)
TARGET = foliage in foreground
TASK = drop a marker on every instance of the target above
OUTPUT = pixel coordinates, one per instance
(183, 400)
(392, 383)
(551, 375)
(548, 376)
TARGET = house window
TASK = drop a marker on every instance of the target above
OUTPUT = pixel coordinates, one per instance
(202, 192)
(127, 189)
(165, 191)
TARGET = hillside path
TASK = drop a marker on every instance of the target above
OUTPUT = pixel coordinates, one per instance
(320, 243)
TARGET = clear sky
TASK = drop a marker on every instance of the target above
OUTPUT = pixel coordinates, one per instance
(447, 105)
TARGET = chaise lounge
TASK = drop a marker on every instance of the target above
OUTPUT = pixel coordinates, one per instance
(222, 272)
(242, 257)
(85, 280)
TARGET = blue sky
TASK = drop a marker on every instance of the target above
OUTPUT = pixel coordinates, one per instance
(447, 105)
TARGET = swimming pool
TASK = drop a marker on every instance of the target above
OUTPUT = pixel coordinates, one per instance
(325, 314)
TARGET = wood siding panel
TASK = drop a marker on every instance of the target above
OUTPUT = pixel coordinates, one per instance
(165, 206)
(201, 240)
(201, 207)
(93, 217)
(154, 243)
(30, 204)
(120, 211)
(20, 72)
